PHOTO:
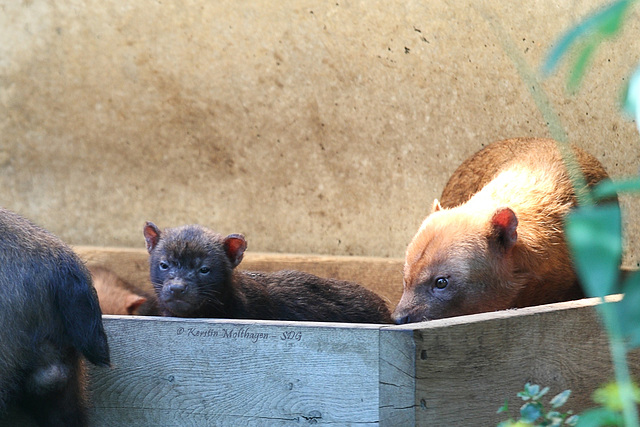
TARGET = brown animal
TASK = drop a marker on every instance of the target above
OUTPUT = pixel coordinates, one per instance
(193, 271)
(49, 319)
(496, 239)
(117, 296)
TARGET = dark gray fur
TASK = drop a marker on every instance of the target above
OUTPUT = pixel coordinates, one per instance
(49, 318)
(193, 272)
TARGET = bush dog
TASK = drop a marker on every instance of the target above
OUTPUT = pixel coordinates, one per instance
(117, 296)
(49, 317)
(496, 240)
(193, 270)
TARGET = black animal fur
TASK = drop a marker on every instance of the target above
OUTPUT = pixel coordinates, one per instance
(49, 318)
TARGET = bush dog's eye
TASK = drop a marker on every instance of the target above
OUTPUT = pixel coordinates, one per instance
(205, 270)
(163, 265)
(441, 282)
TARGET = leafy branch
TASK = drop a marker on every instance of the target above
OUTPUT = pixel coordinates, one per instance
(594, 232)
(533, 412)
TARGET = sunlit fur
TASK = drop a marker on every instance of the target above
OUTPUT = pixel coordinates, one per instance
(485, 275)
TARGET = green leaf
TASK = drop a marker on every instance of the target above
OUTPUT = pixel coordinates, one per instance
(594, 235)
(608, 188)
(600, 417)
(572, 420)
(532, 389)
(552, 414)
(632, 97)
(555, 418)
(523, 395)
(609, 396)
(605, 22)
(529, 412)
(612, 17)
(628, 311)
(541, 393)
(580, 65)
(511, 423)
(557, 422)
(504, 408)
(526, 394)
(560, 399)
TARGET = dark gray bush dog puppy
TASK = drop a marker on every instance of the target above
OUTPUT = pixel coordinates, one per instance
(193, 272)
(49, 317)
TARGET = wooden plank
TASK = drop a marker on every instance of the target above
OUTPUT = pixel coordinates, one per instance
(397, 378)
(468, 366)
(169, 372)
(381, 275)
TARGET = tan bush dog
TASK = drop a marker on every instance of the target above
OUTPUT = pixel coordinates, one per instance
(495, 240)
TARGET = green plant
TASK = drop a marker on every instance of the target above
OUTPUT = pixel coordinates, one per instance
(584, 38)
(609, 413)
(533, 412)
(594, 232)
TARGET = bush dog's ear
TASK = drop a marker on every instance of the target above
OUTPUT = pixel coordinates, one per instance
(503, 224)
(234, 246)
(436, 206)
(133, 302)
(151, 235)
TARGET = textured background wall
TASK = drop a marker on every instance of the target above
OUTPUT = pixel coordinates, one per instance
(312, 127)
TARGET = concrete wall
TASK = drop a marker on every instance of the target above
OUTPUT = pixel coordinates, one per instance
(312, 127)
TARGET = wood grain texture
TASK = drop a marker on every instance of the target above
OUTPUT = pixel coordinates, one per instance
(397, 377)
(381, 275)
(169, 372)
(468, 366)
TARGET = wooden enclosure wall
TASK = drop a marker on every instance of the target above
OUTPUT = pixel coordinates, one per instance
(458, 372)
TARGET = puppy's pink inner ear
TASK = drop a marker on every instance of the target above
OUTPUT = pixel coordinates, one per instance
(505, 223)
(234, 246)
(151, 235)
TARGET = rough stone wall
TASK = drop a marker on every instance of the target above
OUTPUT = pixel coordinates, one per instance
(312, 127)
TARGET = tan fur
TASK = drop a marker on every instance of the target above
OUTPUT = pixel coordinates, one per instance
(463, 242)
(114, 294)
